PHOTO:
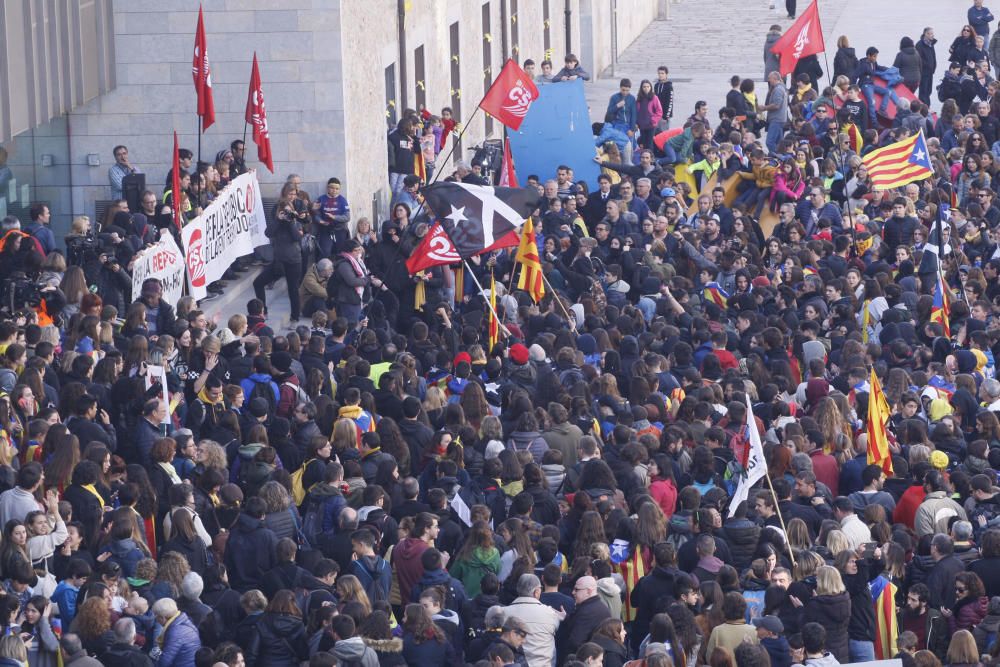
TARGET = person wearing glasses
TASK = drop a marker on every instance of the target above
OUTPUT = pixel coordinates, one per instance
(590, 612)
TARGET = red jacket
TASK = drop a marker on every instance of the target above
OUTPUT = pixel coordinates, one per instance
(906, 508)
(664, 493)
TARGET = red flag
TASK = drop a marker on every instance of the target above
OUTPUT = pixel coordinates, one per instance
(436, 249)
(256, 116)
(203, 75)
(508, 178)
(804, 38)
(510, 96)
(175, 185)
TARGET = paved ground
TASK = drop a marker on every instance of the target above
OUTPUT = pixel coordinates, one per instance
(704, 43)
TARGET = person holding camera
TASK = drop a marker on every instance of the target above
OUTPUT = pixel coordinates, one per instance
(113, 282)
(285, 232)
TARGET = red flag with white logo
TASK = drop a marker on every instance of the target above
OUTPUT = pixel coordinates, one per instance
(256, 116)
(510, 96)
(437, 249)
(203, 75)
(804, 38)
(508, 177)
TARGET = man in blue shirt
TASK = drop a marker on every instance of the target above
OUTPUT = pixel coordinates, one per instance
(867, 69)
(622, 111)
(331, 213)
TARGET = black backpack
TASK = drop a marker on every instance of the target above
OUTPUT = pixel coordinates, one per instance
(266, 391)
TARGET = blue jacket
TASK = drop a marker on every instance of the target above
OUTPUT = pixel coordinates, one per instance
(180, 643)
(248, 384)
(979, 19)
(126, 554)
(777, 648)
(627, 115)
(427, 652)
(65, 596)
(456, 596)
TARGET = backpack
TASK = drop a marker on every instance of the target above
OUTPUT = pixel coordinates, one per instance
(569, 377)
(257, 327)
(679, 529)
(265, 391)
(375, 590)
(375, 522)
(299, 491)
(300, 395)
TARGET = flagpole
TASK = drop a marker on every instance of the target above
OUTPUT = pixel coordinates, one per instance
(483, 293)
(777, 510)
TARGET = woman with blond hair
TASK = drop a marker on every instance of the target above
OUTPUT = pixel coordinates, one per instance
(349, 589)
(962, 651)
(830, 607)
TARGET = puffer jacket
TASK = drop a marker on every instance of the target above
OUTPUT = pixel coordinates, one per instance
(125, 553)
(388, 651)
(968, 613)
(934, 512)
(834, 613)
(282, 640)
(284, 523)
(531, 441)
(180, 643)
(741, 535)
(564, 437)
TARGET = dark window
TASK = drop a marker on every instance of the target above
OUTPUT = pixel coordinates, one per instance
(456, 88)
(418, 73)
(390, 95)
(487, 62)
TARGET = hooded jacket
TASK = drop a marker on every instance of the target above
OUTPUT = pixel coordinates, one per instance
(251, 551)
(742, 536)
(470, 571)
(407, 566)
(388, 651)
(125, 553)
(455, 598)
(530, 441)
(353, 652)
(282, 640)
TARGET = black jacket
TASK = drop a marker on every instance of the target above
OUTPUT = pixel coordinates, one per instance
(588, 615)
(928, 58)
(250, 552)
(908, 62)
(845, 62)
(126, 655)
(282, 640)
(90, 431)
(195, 552)
(247, 637)
(87, 509)
(862, 623)
(650, 596)
(742, 536)
(834, 613)
(402, 152)
(346, 281)
(285, 232)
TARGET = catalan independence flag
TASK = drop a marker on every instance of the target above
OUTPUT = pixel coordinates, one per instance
(878, 419)
(854, 136)
(531, 279)
(886, 625)
(941, 309)
(717, 295)
(632, 563)
(900, 163)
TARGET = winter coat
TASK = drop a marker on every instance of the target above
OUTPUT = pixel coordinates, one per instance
(649, 596)
(834, 613)
(928, 57)
(542, 621)
(564, 437)
(988, 570)
(581, 624)
(194, 551)
(615, 655)
(353, 651)
(285, 233)
(406, 565)
(845, 62)
(427, 652)
(251, 550)
(180, 643)
(402, 151)
(282, 640)
(528, 441)
(456, 597)
(471, 570)
(346, 281)
(934, 512)
(123, 655)
(908, 62)
(968, 613)
(284, 523)
(742, 536)
(388, 651)
(126, 554)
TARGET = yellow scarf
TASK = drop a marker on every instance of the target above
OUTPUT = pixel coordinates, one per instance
(171, 472)
(216, 501)
(803, 90)
(93, 489)
(204, 398)
(163, 633)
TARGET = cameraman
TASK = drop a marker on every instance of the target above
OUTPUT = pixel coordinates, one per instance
(285, 232)
(113, 283)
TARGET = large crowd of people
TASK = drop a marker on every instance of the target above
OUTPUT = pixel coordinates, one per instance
(380, 486)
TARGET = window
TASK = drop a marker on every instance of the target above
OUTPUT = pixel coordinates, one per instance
(390, 95)
(547, 31)
(421, 81)
(456, 88)
(487, 62)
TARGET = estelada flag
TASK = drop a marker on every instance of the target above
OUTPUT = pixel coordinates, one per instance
(940, 308)
(878, 419)
(256, 116)
(437, 249)
(804, 38)
(510, 96)
(900, 163)
(203, 75)
(508, 177)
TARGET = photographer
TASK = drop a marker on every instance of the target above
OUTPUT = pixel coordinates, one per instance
(113, 282)
(19, 252)
(285, 232)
